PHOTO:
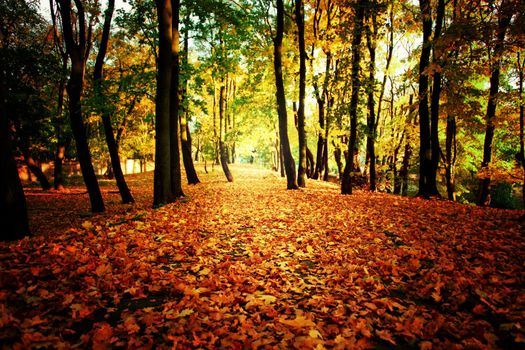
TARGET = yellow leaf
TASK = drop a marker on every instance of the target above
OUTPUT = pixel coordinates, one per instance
(298, 322)
(185, 312)
(314, 333)
(87, 225)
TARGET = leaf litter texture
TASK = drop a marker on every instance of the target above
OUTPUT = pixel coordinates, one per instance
(251, 265)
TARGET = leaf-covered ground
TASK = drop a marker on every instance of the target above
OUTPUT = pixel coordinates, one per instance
(248, 265)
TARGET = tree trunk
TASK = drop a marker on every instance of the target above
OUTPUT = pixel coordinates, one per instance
(299, 20)
(62, 142)
(36, 168)
(434, 105)
(175, 98)
(346, 181)
(370, 121)
(125, 193)
(78, 53)
(289, 163)
(521, 65)
(403, 172)
(425, 152)
(162, 178)
(450, 157)
(222, 148)
(503, 23)
(14, 223)
(191, 173)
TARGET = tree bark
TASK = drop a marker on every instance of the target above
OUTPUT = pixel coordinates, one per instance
(504, 19)
(425, 151)
(346, 181)
(289, 163)
(78, 52)
(175, 99)
(222, 148)
(450, 157)
(299, 20)
(14, 223)
(434, 105)
(162, 174)
(370, 121)
(185, 136)
(36, 168)
(521, 65)
(125, 193)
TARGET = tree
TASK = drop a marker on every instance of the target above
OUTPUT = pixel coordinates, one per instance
(175, 99)
(346, 181)
(427, 181)
(299, 20)
(98, 79)
(162, 191)
(77, 34)
(13, 209)
(504, 16)
(289, 164)
(185, 135)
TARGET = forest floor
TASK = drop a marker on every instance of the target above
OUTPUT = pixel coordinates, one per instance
(248, 265)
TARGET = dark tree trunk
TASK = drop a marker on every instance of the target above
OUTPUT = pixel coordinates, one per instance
(310, 162)
(162, 178)
(62, 143)
(346, 181)
(58, 180)
(450, 157)
(115, 166)
(14, 223)
(289, 163)
(222, 148)
(175, 98)
(36, 168)
(503, 23)
(78, 52)
(299, 20)
(370, 121)
(521, 65)
(191, 173)
(338, 161)
(434, 106)
(281, 161)
(425, 151)
(403, 172)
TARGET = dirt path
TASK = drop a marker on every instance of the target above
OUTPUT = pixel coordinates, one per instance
(251, 265)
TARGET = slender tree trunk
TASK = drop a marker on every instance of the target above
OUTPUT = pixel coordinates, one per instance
(98, 78)
(175, 110)
(425, 151)
(403, 173)
(162, 178)
(289, 163)
(434, 105)
(299, 20)
(521, 65)
(78, 53)
(281, 160)
(370, 137)
(222, 148)
(191, 173)
(346, 182)
(450, 157)
(62, 142)
(503, 23)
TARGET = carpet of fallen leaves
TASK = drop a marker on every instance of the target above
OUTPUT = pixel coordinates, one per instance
(248, 265)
